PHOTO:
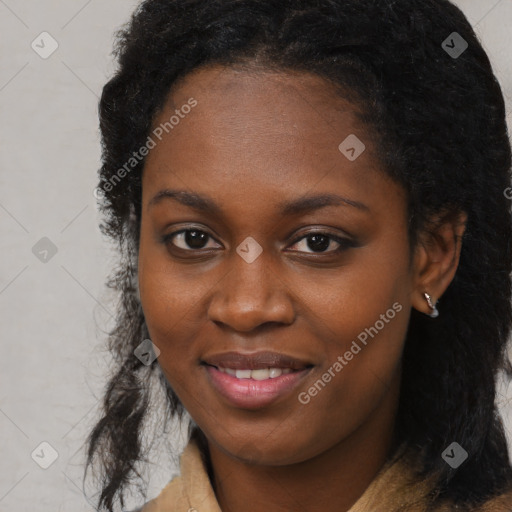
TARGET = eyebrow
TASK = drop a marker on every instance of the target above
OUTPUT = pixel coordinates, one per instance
(302, 205)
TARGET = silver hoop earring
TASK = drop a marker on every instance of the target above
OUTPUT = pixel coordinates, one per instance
(431, 305)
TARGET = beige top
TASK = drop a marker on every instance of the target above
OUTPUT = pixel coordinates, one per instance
(392, 490)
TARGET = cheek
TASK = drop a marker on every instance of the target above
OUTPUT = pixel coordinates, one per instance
(363, 362)
(168, 308)
(367, 299)
(362, 318)
(168, 300)
(361, 371)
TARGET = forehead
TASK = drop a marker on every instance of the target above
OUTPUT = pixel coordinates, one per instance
(258, 102)
(261, 132)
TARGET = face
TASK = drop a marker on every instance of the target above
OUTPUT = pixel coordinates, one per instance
(263, 244)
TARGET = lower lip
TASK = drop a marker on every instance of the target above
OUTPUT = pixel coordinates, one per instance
(251, 393)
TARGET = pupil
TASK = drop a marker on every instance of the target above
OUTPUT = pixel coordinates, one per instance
(195, 239)
(318, 242)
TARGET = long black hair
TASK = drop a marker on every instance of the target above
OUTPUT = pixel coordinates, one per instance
(439, 121)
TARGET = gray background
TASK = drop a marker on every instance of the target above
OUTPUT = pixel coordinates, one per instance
(53, 312)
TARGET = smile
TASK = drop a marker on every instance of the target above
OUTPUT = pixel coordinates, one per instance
(247, 392)
(261, 374)
(256, 380)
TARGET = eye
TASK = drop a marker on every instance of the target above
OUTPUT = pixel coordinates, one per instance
(319, 242)
(188, 239)
(192, 240)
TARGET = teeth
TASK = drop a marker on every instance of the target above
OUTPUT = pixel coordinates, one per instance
(260, 374)
(275, 372)
(243, 374)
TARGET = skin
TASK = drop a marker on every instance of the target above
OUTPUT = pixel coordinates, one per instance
(257, 138)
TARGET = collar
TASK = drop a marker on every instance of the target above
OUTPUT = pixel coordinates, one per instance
(395, 488)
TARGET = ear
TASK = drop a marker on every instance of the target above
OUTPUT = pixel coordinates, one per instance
(436, 258)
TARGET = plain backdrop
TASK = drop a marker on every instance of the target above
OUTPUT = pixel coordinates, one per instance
(54, 260)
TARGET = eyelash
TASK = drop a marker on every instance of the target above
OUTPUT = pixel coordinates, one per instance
(344, 243)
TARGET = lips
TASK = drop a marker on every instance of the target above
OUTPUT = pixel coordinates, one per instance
(254, 381)
(256, 361)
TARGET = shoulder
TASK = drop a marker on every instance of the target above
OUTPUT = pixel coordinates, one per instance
(501, 503)
(188, 488)
(498, 503)
(172, 497)
(398, 488)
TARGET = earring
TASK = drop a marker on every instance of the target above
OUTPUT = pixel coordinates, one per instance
(431, 305)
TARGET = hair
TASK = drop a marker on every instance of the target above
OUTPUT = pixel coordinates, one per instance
(440, 129)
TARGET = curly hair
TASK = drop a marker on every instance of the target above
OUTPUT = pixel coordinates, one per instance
(441, 133)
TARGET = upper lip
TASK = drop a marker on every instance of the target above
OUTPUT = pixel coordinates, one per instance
(255, 361)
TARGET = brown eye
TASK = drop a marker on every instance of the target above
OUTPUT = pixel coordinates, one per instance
(320, 242)
(188, 239)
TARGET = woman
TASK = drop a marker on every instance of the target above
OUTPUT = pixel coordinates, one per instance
(309, 202)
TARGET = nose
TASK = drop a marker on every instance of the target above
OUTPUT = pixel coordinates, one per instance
(250, 295)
